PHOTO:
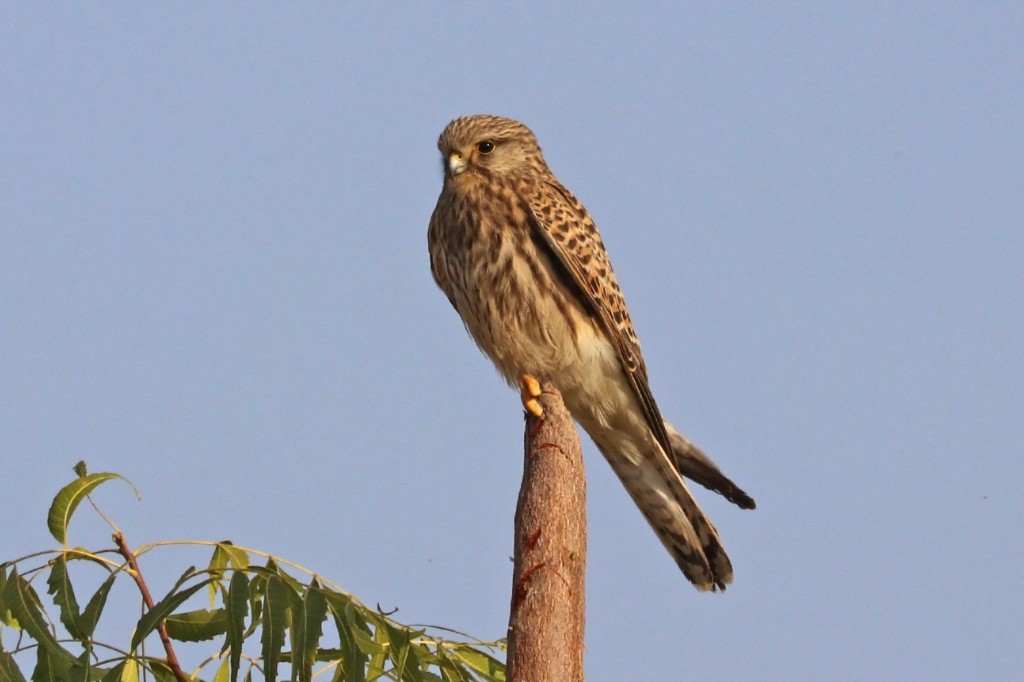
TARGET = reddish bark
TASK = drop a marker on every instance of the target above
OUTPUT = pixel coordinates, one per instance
(545, 641)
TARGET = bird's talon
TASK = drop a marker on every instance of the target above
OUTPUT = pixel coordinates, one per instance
(529, 391)
(534, 408)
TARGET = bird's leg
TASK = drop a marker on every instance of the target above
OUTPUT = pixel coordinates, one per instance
(529, 391)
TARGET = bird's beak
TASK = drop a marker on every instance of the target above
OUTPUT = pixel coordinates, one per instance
(456, 164)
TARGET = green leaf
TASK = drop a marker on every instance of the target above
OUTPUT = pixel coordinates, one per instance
(375, 669)
(223, 672)
(309, 629)
(479, 661)
(9, 671)
(275, 624)
(70, 496)
(358, 621)
(115, 673)
(218, 562)
(6, 617)
(328, 654)
(257, 588)
(91, 615)
(239, 557)
(427, 676)
(364, 633)
(401, 652)
(450, 672)
(353, 661)
(196, 626)
(59, 585)
(130, 673)
(24, 604)
(237, 608)
(164, 608)
(161, 671)
(52, 669)
(42, 672)
(273, 570)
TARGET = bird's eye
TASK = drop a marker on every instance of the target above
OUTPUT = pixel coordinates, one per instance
(485, 147)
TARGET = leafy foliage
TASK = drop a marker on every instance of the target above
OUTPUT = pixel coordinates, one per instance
(266, 613)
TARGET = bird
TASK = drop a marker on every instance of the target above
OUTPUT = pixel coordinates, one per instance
(522, 262)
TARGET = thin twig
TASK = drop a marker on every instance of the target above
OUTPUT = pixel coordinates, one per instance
(172, 659)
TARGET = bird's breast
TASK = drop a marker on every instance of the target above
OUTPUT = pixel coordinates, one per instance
(510, 293)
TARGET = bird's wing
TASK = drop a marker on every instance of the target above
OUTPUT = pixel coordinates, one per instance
(570, 235)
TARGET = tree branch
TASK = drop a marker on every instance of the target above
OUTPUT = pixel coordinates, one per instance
(545, 640)
(172, 659)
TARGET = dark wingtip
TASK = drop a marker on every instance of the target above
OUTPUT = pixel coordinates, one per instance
(731, 492)
(743, 500)
(692, 463)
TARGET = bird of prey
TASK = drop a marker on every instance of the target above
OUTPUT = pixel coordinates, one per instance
(522, 262)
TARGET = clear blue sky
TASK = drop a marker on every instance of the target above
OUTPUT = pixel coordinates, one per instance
(215, 281)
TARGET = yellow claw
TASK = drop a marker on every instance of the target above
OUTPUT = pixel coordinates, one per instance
(529, 391)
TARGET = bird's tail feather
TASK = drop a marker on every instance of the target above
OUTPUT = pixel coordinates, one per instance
(688, 535)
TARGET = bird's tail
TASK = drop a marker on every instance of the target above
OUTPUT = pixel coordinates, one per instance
(660, 493)
(692, 463)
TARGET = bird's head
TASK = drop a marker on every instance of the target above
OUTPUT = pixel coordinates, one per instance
(485, 145)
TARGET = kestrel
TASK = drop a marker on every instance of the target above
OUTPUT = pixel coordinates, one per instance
(522, 262)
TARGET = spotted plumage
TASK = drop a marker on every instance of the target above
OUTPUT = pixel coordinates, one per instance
(522, 262)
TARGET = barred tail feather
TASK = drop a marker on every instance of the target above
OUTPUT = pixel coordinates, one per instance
(661, 495)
